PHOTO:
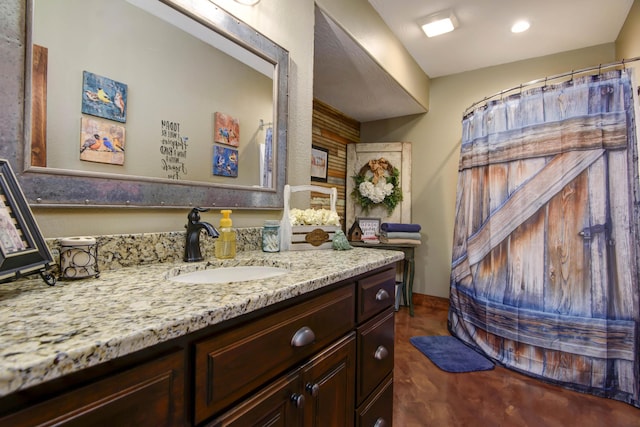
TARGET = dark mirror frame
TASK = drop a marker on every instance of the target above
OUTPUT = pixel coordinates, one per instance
(50, 187)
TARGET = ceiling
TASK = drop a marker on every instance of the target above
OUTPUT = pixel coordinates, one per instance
(346, 78)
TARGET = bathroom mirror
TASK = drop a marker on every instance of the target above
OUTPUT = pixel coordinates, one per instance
(170, 103)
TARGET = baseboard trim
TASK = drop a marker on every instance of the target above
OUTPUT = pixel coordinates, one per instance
(430, 301)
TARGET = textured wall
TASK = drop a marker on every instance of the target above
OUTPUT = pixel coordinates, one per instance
(333, 130)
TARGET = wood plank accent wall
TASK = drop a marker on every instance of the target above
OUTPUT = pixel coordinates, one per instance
(333, 130)
(39, 106)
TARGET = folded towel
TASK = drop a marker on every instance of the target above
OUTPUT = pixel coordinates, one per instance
(400, 235)
(393, 226)
(400, 241)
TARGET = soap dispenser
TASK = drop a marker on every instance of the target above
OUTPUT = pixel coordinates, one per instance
(226, 242)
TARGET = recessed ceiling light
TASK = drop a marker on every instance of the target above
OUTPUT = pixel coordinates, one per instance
(248, 2)
(520, 26)
(438, 23)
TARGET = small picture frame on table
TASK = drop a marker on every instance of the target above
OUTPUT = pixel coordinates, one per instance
(23, 250)
(370, 229)
(319, 163)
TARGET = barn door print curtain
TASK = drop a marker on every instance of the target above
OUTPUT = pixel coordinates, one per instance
(545, 254)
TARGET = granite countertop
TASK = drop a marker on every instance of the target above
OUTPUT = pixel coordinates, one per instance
(48, 332)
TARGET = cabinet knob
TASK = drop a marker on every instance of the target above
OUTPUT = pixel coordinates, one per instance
(381, 353)
(382, 295)
(312, 389)
(298, 400)
(380, 422)
(303, 336)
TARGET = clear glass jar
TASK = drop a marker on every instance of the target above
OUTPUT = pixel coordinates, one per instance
(271, 236)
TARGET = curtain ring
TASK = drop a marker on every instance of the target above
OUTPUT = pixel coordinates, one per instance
(600, 69)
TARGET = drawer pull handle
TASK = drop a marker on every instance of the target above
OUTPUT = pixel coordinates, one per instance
(298, 400)
(380, 422)
(312, 389)
(381, 353)
(303, 336)
(382, 295)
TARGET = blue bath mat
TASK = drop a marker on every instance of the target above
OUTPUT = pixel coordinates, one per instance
(450, 354)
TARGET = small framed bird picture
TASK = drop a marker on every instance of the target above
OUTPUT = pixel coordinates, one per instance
(225, 161)
(226, 129)
(103, 97)
(101, 141)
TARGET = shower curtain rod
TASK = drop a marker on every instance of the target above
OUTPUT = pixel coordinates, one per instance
(599, 67)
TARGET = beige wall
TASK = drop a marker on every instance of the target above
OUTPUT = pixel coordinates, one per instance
(628, 42)
(436, 140)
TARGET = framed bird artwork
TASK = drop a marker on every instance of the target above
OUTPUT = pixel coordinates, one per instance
(103, 97)
(102, 141)
(226, 129)
(225, 161)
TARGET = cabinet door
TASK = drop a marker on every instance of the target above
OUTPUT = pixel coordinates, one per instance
(375, 352)
(328, 381)
(151, 394)
(278, 405)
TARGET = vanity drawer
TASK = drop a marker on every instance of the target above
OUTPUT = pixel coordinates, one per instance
(375, 341)
(375, 293)
(234, 363)
(378, 409)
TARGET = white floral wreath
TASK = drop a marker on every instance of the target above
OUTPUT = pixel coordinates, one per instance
(378, 182)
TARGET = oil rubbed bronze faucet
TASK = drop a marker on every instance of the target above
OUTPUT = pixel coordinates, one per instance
(194, 225)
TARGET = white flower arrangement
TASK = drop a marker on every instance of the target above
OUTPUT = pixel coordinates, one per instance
(313, 217)
(376, 192)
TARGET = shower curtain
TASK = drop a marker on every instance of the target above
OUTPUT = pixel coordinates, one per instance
(545, 255)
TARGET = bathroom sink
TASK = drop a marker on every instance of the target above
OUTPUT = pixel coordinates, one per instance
(241, 273)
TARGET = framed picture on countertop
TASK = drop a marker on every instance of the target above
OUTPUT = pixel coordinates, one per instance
(23, 250)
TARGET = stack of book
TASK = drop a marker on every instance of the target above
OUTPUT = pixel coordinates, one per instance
(400, 234)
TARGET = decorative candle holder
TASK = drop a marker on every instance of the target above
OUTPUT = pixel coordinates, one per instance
(78, 258)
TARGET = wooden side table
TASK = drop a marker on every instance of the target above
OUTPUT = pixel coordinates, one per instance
(408, 272)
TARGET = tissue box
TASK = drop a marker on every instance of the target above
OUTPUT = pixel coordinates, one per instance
(312, 237)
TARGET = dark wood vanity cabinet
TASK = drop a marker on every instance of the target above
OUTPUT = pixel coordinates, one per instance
(320, 360)
(349, 382)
